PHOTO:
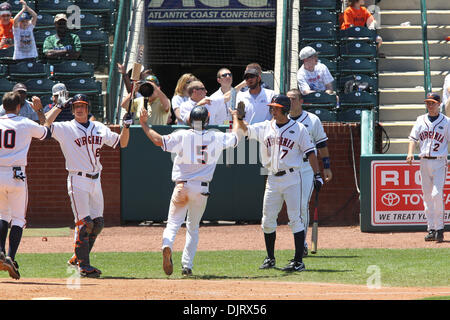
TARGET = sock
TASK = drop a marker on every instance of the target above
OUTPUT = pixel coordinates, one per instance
(269, 238)
(15, 236)
(299, 241)
(3, 235)
(92, 239)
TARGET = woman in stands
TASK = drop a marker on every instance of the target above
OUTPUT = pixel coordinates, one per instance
(180, 95)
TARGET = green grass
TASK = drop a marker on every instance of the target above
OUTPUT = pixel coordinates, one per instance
(411, 267)
(46, 232)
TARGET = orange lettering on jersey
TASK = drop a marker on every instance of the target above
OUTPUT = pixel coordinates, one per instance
(83, 141)
(78, 142)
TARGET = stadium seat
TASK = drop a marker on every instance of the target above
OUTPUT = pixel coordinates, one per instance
(45, 100)
(92, 37)
(53, 6)
(323, 114)
(3, 70)
(45, 21)
(6, 85)
(40, 35)
(357, 65)
(318, 32)
(324, 49)
(317, 15)
(89, 20)
(319, 100)
(39, 87)
(6, 55)
(358, 49)
(16, 6)
(95, 47)
(319, 4)
(360, 99)
(71, 69)
(358, 33)
(96, 6)
(331, 64)
(25, 70)
(86, 86)
(349, 115)
(372, 81)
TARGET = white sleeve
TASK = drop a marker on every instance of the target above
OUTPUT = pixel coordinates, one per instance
(303, 85)
(57, 130)
(319, 134)
(414, 134)
(176, 102)
(326, 75)
(172, 142)
(256, 131)
(305, 142)
(36, 130)
(111, 138)
(221, 114)
(230, 139)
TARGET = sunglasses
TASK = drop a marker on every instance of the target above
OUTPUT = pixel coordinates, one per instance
(249, 76)
(62, 23)
(202, 88)
(226, 75)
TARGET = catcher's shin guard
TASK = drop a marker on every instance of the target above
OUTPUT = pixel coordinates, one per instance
(99, 223)
(82, 231)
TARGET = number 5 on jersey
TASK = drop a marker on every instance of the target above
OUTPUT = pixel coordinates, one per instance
(202, 154)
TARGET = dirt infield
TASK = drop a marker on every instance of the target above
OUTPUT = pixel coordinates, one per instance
(215, 237)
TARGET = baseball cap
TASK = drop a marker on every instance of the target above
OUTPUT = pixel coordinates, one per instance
(25, 16)
(80, 98)
(19, 87)
(153, 79)
(252, 72)
(280, 101)
(433, 97)
(307, 52)
(58, 88)
(60, 16)
(5, 8)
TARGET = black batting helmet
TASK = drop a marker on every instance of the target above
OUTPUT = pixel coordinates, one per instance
(281, 101)
(80, 98)
(199, 113)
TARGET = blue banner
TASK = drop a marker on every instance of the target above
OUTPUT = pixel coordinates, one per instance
(209, 12)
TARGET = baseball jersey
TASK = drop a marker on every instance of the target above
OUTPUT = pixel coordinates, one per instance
(314, 127)
(445, 94)
(217, 114)
(81, 146)
(256, 108)
(281, 148)
(314, 80)
(15, 139)
(432, 136)
(196, 152)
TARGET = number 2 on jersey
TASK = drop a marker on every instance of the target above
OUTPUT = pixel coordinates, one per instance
(8, 139)
(202, 152)
(436, 147)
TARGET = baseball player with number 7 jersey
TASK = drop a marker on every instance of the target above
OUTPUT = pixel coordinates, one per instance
(432, 132)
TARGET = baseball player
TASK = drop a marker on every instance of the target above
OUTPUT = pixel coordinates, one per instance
(197, 152)
(432, 132)
(81, 141)
(319, 139)
(15, 139)
(283, 145)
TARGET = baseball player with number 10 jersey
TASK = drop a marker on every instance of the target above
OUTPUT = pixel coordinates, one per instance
(432, 132)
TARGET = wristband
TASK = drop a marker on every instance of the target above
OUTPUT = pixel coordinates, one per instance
(326, 162)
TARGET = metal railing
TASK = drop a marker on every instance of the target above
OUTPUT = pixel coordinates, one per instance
(120, 41)
(426, 51)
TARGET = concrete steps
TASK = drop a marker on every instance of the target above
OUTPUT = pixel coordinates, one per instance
(410, 79)
(397, 32)
(434, 17)
(414, 4)
(401, 112)
(415, 48)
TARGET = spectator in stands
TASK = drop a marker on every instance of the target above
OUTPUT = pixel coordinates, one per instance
(59, 95)
(126, 76)
(446, 95)
(181, 95)
(24, 43)
(356, 15)
(6, 25)
(151, 98)
(313, 75)
(25, 106)
(257, 98)
(63, 44)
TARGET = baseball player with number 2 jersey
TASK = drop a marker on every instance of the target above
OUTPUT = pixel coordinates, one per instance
(432, 132)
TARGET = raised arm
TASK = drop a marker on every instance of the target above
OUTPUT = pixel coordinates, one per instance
(154, 136)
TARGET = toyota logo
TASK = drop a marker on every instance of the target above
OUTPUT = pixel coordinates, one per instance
(390, 199)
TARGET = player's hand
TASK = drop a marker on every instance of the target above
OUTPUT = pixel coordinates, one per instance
(318, 182)
(128, 119)
(121, 68)
(66, 104)
(143, 117)
(328, 175)
(204, 101)
(37, 104)
(240, 108)
(410, 158)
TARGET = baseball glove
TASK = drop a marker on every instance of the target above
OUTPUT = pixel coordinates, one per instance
(241, 110)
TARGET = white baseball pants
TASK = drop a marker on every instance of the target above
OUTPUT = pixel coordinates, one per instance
(187, 199)
(281, 189)
(13, 197)
(307, 179)
(433, 173)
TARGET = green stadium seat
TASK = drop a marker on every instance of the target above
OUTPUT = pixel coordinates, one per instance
(319, 100)
(323, 114)
(359, 99)
(45, 100)
(53, 6)
(331, 64)
(358, 33)
(40, 35)
(96, 6)
(357, 65)
(92, 37)
(95, 47)
(349, 115)
(39, 87)
(358, 49)
(86, 86)
(26, 70)
(372, 81)
(3, 70)
(318, 32)
(6, 55)
(45, 21)
(71, 69)
(320, 4)
(324, 49)
(16, 6)
(89, 20)
(317, 15)
(6, 85)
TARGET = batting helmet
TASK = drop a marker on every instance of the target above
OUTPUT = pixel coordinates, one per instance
(79, 98)
(199, 113)
(281, 101)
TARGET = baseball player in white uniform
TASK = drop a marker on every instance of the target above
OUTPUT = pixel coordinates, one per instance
(16, 133)
(81, 141)
(432, 132)
(283, 144)
(319, 139)
(192, 172)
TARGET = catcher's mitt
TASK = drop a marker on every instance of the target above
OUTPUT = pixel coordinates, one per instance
(241, 110)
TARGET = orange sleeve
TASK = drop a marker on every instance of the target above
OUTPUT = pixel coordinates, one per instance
(348, 19)
(367, 14)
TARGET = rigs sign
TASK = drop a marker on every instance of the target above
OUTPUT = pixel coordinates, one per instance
(397, 197)
(209, 12)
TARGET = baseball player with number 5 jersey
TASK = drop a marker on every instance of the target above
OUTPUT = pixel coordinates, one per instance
(283, 143)
(432, 132)
(81, 141)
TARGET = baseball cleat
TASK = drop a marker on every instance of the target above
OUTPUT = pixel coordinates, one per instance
(294, 266)
(186, 272)
(268, 263)
(440, 235)
(2, 261)
(73, 262)
(12, 267)
(167, 261)
(431, 236)
(90, 272)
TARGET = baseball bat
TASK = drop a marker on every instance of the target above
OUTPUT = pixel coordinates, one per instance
(315, 234)
(135, 77)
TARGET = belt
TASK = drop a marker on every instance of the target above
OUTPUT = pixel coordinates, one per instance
(87, 175)
(282, 173)
(430, 158)
(204, 184)
(305, 160)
